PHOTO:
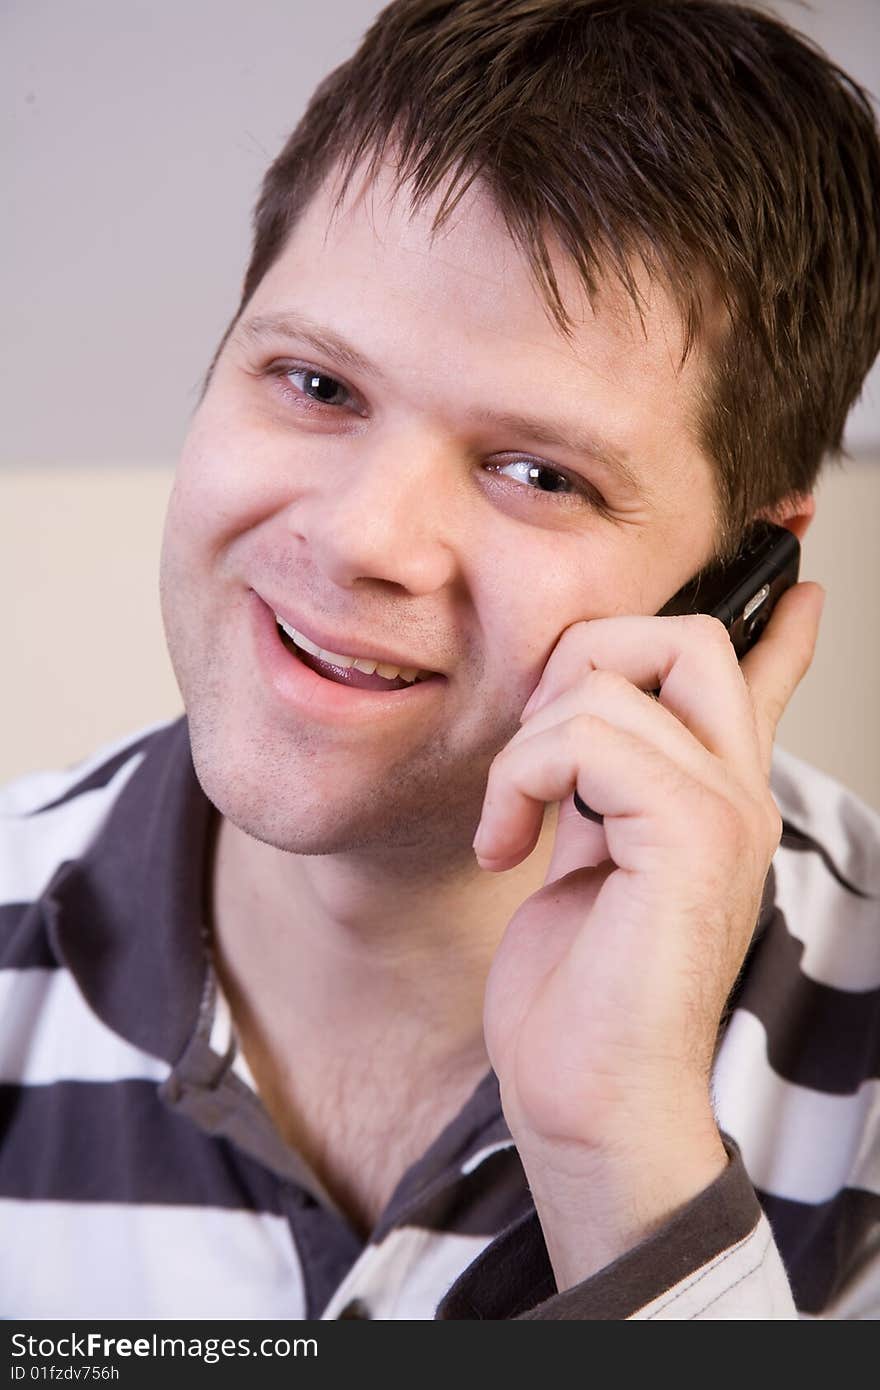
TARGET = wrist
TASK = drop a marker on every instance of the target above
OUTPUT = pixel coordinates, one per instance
(597, 1203)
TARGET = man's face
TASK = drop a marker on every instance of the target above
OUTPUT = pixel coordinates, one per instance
(419, 461)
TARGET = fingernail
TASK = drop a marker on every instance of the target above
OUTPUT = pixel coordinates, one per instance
(480, 840)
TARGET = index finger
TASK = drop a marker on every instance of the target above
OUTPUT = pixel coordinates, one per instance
(690, 657)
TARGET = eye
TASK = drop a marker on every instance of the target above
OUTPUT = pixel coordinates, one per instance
(545, 484)
(308, 388)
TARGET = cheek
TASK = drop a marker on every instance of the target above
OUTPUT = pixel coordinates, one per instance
(564, 580)
(529, 599)
(200, 518)
(179, 564)
(533, 598)
(224, 486)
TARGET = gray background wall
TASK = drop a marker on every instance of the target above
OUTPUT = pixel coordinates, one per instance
(134, 140)
(137, 132)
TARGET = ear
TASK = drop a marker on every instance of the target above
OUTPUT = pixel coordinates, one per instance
(794, 512)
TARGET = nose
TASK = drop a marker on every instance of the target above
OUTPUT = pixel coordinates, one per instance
(389, 509)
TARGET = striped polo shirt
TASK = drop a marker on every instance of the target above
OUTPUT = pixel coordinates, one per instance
(141, 1176)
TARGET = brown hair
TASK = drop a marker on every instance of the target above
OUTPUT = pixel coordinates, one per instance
(701, 136)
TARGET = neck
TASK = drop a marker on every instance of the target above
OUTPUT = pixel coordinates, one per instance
(338, 945)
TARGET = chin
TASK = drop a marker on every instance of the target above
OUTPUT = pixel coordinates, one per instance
(275, 795)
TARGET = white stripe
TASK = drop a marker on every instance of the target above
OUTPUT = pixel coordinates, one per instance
(223, 1037)
(844, 825)
(840, 932)
(796, 1142)
(746, 1281)
(222, 1031)
(109, 1260)
(224, 1034)
(407, 1274)
(48, 1033)
(27, 793)
(243, 1071)
(31, 848)
(482, 1154)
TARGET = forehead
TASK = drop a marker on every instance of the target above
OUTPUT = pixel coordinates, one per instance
(427, 301)
(471, 264)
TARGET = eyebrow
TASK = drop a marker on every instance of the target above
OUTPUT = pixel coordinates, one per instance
(571, 437)
(267, 326)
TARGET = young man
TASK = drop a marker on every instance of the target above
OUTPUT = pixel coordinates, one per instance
(547, 302)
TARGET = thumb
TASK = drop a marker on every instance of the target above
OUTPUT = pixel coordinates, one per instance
(781, 657)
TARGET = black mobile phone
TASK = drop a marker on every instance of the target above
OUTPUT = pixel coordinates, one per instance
(742, 594)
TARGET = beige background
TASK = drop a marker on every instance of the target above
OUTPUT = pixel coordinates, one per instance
(135, 137)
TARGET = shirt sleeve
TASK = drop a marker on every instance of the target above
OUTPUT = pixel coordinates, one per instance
(715, 1258)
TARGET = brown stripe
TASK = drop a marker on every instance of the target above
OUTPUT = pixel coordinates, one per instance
(820, 1243)
(817, 1036)
(24, 944)
(801, 842)
(513, 1277)
(480, 1203)
(99, 776)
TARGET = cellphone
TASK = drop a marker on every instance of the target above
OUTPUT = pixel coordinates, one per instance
(742, 594)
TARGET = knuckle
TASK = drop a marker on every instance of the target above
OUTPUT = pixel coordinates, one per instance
(774, 825)
(499, 765)
(759, 830)
(575, 632)
(706, 629)
(730, 822)
(804, 656)
(601, 683)
(582, 726)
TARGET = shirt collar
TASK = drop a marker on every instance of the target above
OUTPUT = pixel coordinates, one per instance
(127, 918)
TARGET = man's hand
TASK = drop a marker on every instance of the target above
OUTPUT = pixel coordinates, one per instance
(604, 999)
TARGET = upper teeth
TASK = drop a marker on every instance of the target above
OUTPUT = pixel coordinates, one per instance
(360, 663)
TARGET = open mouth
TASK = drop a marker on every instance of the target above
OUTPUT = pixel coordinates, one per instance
(348, 675)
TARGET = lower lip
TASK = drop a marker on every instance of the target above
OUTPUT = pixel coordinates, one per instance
(298, 686)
